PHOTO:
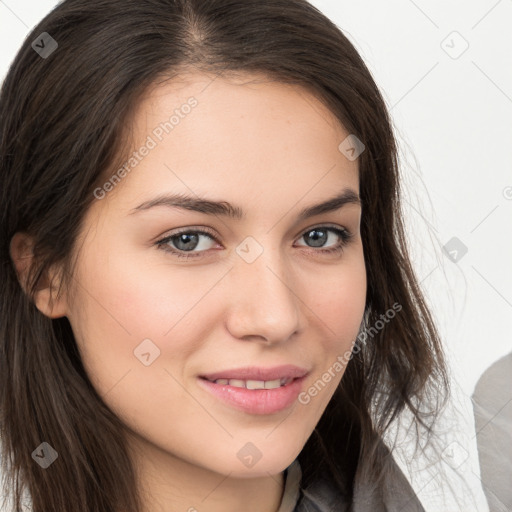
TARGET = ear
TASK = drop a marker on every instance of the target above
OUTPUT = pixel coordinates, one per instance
(45, 297)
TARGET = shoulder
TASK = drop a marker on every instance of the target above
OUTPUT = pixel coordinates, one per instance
(392, 493)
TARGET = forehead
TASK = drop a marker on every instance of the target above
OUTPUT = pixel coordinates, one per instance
(244, 135)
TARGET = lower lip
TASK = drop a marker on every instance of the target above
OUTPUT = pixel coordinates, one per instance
(256, 401)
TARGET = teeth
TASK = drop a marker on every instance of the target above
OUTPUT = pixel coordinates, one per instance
(236, 383)
(254, 384)
(272, 384)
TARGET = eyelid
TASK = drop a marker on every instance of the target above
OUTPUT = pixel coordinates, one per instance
(211, 232)
(162, 240)
(343, 232)
(187, 229)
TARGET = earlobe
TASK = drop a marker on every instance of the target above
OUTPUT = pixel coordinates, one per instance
(46, 294)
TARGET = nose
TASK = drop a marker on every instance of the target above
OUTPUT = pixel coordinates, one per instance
(263, 304)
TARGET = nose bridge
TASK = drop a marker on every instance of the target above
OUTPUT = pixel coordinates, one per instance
(263, 301)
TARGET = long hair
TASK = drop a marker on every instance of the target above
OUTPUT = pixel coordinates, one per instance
(64, 115)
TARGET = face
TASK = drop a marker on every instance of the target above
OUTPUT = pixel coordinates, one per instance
(164, 295)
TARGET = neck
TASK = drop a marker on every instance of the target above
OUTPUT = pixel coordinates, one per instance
(170, 483)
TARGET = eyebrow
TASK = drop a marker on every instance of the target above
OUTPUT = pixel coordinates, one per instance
(226, 209)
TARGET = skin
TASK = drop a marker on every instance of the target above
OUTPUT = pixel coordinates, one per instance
(271, 149)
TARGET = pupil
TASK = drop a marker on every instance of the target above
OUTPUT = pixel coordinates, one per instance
(185, 238)
(318, 240)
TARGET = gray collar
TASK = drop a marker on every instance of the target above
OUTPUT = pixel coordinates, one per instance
(394, 494)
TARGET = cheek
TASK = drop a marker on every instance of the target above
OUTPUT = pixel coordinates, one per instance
(122, 303)
(154, 298)
(338, 309)
(339, 302)
(136, 331)
(126, 300)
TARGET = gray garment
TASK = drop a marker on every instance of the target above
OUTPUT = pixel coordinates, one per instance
(395, 494)
(492, 404)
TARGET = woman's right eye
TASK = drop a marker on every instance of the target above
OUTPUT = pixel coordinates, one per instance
(188, 240)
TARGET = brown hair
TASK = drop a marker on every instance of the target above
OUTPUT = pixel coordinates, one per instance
(62, 120)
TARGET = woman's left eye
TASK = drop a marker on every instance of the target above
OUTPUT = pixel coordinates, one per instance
(186, 241)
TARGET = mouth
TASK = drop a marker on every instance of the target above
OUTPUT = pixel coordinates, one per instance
(252, 374)
(258, 395)
(253, 384)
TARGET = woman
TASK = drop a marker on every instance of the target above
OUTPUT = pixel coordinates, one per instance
(262, 370)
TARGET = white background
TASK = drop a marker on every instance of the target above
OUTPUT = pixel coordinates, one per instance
(452, 114)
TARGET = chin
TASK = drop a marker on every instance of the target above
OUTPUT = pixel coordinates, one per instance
(263, 467)
(258, 471)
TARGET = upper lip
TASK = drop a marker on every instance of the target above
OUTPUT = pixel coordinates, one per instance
(259, 373)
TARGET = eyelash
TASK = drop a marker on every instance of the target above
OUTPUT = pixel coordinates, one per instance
(344, 234)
